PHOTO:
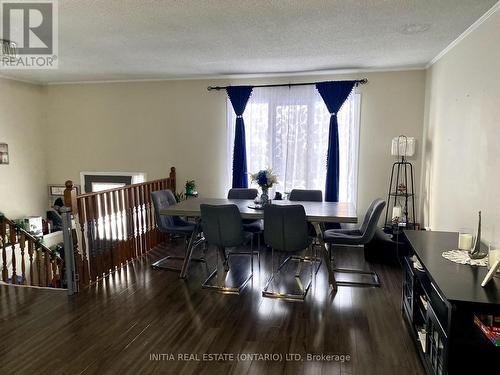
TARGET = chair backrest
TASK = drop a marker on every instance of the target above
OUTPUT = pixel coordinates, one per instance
(163, 199)
(285, 227)
(306, 195)
(369, 226)
(242, 193)
(222, 225)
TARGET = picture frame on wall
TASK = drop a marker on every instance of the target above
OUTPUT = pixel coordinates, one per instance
(58, 190)
(4, 153)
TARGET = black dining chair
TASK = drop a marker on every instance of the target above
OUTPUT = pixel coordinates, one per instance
(171, 225)
(249, 225)
(308, 195)
(242, 193)
(357, 237)
(305, 195)
(223, 228)
(285, 231)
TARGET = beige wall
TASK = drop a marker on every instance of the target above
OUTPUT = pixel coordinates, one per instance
(23, 184)
(150, 126)
(462, 132)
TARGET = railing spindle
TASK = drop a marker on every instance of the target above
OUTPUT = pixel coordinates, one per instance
(55, 276)
(137, 220)
(121, 225)
(131, 214)
(47, 268)
(31, 247)
(146, 216)
(60, 267)
(84, 278)
(22, 246)
(98, 237)
(91, 236)
(38, 265)
(110, 243)
(3, 243)
(116, 237)
(12, 239)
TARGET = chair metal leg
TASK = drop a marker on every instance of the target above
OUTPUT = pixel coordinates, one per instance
(375, 279)
(189, 251)
(251, 252)
(287, 296)
(299, 268)
(159, 264)
(222, 271)
(324, 250)
(375, 282)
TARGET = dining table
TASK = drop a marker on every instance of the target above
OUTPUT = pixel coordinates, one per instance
(317, 213)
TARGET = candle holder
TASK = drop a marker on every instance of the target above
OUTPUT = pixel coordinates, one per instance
(465, 239)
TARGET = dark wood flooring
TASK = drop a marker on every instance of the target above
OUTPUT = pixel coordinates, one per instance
(115, 327)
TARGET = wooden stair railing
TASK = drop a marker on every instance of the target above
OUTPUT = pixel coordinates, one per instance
(45, 267)
(115, 226)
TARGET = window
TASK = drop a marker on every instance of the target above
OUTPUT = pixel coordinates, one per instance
(101, 186)
(98, 181)
(286, 129)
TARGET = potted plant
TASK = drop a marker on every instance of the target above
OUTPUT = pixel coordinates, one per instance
(191, 188)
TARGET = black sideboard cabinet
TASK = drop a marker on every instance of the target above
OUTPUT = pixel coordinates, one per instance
(439, 304)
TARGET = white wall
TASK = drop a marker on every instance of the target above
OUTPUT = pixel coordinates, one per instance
(23, 184)
(150, 126)
(462, 132)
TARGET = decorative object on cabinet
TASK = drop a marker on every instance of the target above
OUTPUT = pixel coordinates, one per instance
(477, 251)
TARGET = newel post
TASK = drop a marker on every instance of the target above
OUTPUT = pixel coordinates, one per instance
(172, 178)
(70, 197)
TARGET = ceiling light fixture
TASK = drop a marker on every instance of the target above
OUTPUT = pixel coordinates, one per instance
(414, 28)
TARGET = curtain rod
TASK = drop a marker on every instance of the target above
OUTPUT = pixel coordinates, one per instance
(217, 88)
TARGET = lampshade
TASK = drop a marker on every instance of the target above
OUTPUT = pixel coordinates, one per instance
(403, 146)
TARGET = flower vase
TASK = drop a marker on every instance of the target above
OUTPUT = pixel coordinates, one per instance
(264, 197)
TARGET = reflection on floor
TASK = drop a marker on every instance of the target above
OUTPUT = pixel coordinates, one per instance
(144, 321)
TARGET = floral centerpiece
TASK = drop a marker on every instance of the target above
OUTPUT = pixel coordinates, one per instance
(265, 179)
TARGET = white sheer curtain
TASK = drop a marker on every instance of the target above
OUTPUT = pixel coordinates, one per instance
(287, 129)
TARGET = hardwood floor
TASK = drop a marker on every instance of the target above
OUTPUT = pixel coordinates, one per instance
(117, 326)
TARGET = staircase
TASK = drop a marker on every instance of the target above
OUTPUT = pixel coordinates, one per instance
(25, 260)
(109, 229)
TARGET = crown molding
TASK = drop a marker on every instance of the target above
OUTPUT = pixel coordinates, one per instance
(246, 76)
(462, 36)
(7, 78)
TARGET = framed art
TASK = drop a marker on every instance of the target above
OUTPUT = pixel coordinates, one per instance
(4, 153)
(58, 190)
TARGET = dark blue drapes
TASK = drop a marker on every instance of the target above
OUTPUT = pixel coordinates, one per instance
(239, 96)
(334, 94)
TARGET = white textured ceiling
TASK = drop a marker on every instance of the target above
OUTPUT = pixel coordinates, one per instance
(127, 40)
